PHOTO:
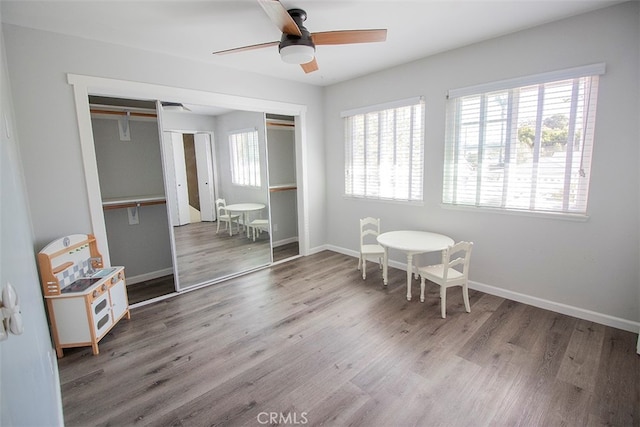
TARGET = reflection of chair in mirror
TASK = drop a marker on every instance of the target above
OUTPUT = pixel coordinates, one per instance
(224, 215)
(369, 227)
(257, 226)
(447, 276)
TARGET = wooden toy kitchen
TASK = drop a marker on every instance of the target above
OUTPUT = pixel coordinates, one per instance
(84, 299)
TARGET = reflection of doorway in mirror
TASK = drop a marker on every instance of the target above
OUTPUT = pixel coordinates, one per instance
(191, 169)
(199, 168)
(189, 176)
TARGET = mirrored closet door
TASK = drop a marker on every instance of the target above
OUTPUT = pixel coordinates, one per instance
(212, 155)
(162, 168)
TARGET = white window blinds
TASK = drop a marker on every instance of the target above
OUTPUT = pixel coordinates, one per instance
(384, 151)
(524, 148)
(245, 158)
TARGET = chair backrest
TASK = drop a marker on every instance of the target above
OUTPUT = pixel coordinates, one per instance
(457, 257)
(221, 206)
(369, 227)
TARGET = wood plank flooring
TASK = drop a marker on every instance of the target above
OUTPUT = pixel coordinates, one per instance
(203, 266)
(285, 251)
(309, 342)
(203, 254)
(150, 289)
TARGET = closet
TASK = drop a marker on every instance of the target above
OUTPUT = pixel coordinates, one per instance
(282, 185)
(128, 158)
(134, 217)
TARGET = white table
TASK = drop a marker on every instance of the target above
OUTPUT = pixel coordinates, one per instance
(244, 209)
(412, 242)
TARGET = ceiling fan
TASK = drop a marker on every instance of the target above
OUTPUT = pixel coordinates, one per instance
(297, 45)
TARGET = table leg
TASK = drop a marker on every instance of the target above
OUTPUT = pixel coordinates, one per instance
(409, 273)
(385, 268)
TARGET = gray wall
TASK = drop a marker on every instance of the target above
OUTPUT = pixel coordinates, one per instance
(128, 168)
(591, 265)
(29, 383)
(51, 150)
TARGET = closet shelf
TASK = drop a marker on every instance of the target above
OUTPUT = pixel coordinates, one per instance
(284, 187)
(132, 202)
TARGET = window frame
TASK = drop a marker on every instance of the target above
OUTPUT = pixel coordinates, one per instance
(377, 142)
(249, 175)
(511, 87)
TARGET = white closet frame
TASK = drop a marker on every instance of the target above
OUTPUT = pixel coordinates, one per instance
(83, 86)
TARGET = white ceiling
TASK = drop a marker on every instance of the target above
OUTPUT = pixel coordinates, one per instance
(194, 29)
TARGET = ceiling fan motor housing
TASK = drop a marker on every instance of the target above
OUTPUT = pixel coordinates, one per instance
(287, 40)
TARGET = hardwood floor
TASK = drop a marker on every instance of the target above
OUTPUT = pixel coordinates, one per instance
(150, 289)
(310, 342)
(285, 251)
(203, 254)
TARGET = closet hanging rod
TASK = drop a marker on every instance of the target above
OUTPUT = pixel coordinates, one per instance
(280, 124)
(122, 113)
(132, 202)
(132, 205)
(286, 187)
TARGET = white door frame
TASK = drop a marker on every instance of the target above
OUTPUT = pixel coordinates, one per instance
(83, 86)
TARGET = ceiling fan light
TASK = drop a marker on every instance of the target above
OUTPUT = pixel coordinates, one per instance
(297, 54)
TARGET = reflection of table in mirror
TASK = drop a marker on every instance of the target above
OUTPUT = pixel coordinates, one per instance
(412, 243)
(244, 209)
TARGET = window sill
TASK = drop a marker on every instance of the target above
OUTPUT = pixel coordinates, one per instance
(546, 215)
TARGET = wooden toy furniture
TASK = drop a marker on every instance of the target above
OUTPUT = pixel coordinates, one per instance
(84, 299)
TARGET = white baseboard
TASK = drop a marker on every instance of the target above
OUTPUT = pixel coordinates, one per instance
(580, 313)
(285, 241)
(148, 276)
(558, 307)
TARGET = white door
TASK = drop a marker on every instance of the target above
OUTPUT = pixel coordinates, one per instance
(176, 176)
(170, 177)
(204, 165)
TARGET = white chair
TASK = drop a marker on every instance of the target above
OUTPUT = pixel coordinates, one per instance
(257, 226)
(447, 276)
(369, 230)
(225, 216)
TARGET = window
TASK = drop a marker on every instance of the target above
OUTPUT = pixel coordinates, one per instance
(523, 144)
(245, 158)
(384, 151)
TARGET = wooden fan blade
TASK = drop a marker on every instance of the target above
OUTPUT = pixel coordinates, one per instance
(348, 37)
(310, 67)
(279, 16)
(244, 48)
